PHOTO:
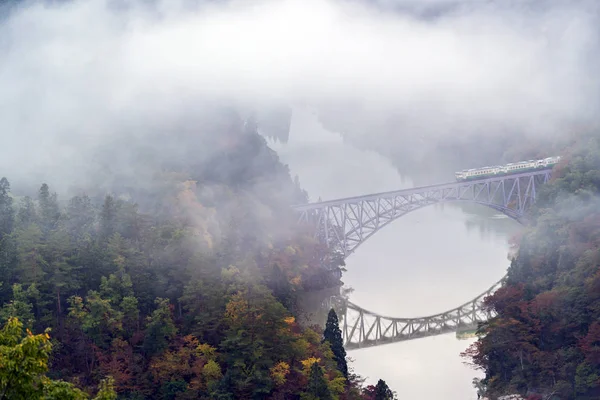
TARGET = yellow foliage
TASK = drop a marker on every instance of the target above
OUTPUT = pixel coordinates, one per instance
(337, 385)
(209, 352)
(212, 371)
(236, 308)
(296, 281)
(290, 320)
(229, 273)
(325, 349)
(290, 251)
(279, 372)
(306, 364)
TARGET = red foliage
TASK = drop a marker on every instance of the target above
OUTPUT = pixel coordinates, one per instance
(118, 364)
(505, 298)
(544, 302)
(590, 344)
(474, 355)
(369, 392)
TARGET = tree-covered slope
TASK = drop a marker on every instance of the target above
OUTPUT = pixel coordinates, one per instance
(545, 341)
(175, 270)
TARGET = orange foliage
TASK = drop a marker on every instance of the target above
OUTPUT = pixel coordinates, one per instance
(184, 362)
(119, 364)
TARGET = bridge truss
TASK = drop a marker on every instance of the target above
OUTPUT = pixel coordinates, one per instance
(347, 223)
(362, 328)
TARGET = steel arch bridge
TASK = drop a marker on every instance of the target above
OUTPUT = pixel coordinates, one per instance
(347, 223)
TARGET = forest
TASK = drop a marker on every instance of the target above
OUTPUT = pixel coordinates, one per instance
(168, 277)
(544, 342)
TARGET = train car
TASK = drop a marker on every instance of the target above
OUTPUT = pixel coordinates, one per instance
(508, 169)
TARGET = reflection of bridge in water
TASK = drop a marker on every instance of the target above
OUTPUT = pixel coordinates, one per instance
(345, 224)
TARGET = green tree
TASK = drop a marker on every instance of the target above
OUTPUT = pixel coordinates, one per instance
(49, 210)
(60, 390)
(108, 217)
(23, 364)
(7, 245)
(96, 317)
(333, 335)
(317, 388)
(383, 392)
(30, 249)
(27, 213)
(20, 306)
(7, 213)
(160, 329)
(61, 273)
(106, 390)
(81, 217)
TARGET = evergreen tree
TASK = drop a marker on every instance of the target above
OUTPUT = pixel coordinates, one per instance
(333, 335)
(20, 306)
(383, 392)
(7, 213)
(280, 286)
(81, 216)
(161, 328)
(8, 258)
(108, 217)
(49, 211)
(27, 213)
(317, 385)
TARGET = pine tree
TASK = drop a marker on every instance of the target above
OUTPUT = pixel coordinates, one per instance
(333, 335)
(8, 257)
(108, 217)
(27, 214)
(49, 210)
(317, 385)
(383, 392)
(7, 213)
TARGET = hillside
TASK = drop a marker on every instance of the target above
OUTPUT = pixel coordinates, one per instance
(545, 341)
(175, 276)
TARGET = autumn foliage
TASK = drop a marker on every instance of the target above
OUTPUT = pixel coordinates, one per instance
(545, 341)
(184, 286)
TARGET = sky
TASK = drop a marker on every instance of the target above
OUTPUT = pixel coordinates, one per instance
(74, 73)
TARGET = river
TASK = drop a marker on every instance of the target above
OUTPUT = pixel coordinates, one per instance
(426, 262)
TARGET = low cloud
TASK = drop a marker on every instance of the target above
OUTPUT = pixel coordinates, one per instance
(75, 75)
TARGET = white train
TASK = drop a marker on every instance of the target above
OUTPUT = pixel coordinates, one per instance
(512, 168)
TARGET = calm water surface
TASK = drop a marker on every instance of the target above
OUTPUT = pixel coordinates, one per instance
(426, 262)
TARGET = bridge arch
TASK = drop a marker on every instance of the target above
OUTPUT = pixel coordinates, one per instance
(347, 223)
(504, 210)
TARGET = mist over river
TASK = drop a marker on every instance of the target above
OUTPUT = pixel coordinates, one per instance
(426, 262)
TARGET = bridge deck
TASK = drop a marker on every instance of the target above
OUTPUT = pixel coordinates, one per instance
(415, 190)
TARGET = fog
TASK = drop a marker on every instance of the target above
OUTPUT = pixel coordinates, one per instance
(426, 262)
(86, 82)
(76, 73)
